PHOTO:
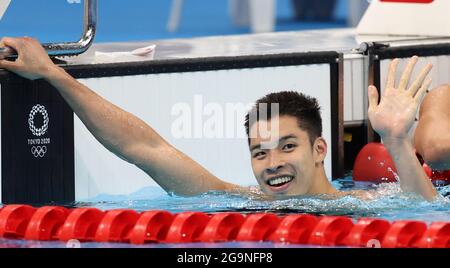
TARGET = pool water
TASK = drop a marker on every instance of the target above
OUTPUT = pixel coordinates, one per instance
(387, 201)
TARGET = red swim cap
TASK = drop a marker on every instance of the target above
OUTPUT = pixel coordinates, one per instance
(374, 164)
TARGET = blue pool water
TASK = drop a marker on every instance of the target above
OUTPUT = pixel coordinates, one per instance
(387, 201)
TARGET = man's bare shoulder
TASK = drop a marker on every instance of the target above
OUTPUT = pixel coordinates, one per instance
(249, 191)
(255, 192)
(360, 194)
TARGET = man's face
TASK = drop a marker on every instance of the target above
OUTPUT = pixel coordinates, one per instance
(283, 160)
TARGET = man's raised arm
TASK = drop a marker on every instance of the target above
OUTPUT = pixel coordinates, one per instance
(119, 131)
(392, 119)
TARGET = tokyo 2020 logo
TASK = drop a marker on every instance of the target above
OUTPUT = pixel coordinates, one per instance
(41, 130)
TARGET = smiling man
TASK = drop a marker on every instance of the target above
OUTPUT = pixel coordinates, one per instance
(288, 162)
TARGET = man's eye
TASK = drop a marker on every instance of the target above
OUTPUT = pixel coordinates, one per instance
(259, 154)
(289, 146)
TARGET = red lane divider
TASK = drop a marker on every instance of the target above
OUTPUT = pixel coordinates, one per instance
(14, 220)
(152, 226)
(331, 231)
(258, 227)
(222, 227)
(367, 231)
(116, 225)
(403, 234)
(295, 229)
(437, 236)
(45, 223)
(187, 227)
(81, 224)
(129, 226)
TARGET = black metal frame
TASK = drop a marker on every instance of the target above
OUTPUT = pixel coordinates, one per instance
(409, 51)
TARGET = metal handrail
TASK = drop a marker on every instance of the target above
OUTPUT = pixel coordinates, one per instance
(69, 48)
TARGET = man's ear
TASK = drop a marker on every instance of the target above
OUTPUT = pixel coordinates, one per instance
(320, 150)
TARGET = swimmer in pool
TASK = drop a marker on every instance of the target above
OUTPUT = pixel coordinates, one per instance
(288, 163)
(432, 136)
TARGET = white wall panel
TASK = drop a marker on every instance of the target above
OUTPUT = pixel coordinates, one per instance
(359, 96)
(151, 97)
(348, 91)
(440, 72)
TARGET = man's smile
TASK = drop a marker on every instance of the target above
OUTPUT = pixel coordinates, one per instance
(280, 183)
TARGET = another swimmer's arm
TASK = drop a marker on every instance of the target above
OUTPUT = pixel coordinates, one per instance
(119, 131)
(393, 118)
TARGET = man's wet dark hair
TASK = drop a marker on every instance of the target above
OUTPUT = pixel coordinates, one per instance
(306, 109)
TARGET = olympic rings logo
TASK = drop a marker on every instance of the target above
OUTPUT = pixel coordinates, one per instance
(38, 131)
(39, 151)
